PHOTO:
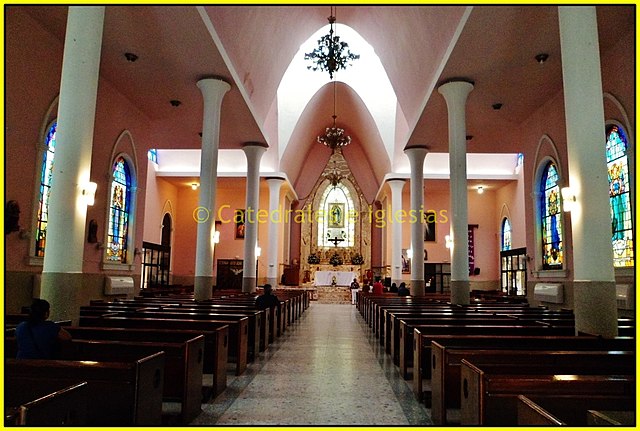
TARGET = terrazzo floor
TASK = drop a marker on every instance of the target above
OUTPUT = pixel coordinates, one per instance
(327, 369)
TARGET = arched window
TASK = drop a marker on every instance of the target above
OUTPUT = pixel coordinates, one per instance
(550, 211)
(119, 209)
(621, 221)
(336, 226)
(506, 234)
(45, 189)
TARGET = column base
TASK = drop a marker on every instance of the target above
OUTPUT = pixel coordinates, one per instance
(203, 287)
(248, 284)
(62, 289)
(595, 307)
(417, 287)
(460, 293)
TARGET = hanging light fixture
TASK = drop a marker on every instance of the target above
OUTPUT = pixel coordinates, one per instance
(331, 54)
(334, 175)
(334, 136)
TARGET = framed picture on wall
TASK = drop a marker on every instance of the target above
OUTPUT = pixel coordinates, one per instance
(406, 262)
(430, 226)
(336, 215)
(239, 220)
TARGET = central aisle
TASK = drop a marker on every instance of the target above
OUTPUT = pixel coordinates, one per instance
(327, 369)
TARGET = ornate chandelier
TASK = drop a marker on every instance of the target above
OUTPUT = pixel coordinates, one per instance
(334, 136)
(331, 54)
(334, 176)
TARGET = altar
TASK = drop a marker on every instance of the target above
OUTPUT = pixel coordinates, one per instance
(338, 278)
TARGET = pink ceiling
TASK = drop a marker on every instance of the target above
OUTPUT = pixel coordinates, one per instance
(495, 49)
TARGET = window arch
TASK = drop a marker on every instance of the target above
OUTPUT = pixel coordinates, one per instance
(46, 170)
(506, 235)
(619, 200)
(336, 219)
(550, 212)
(119, 211)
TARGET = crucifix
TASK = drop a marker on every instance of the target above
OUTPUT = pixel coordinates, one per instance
(335, 241)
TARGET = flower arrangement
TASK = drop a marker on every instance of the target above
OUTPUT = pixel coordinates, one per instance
(357, 259)
(313, 259)
(335, 259)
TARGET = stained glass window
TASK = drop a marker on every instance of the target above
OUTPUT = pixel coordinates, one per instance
(551, 210)
(119, 212)
(336, 222)
(152, 155)
(506, 234)
(621, 222)
(45, 190)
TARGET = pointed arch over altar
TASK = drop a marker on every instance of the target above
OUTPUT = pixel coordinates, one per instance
(337, 235)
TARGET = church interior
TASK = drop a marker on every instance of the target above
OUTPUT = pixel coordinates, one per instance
(189, 154)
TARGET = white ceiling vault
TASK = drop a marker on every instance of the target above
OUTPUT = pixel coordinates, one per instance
(418, 46)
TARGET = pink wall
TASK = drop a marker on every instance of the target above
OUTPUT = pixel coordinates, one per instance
(29, 100)
(510, 203)
(161, 197)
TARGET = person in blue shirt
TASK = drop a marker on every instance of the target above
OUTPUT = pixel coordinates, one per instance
(37, 337)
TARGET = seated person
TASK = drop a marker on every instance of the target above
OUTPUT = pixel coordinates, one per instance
(37, 337)
(378, 289)
(267, 300)
(402, 290)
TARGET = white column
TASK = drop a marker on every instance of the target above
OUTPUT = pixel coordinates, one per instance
(275, 219)
(63, 260)
(213, 91)
(394, 218)
(416, 156)
(254, 152)
(594, 281)
(455, 93)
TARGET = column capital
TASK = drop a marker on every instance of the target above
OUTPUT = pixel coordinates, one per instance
(457, 90)
(210, 86)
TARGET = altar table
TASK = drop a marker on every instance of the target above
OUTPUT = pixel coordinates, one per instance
(326, 278)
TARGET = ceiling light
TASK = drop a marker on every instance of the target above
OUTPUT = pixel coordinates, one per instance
(497, 106)
(541, 58)
(334, 136)
(175, 102)
(469, 137)
(131, 57)
(329, 55)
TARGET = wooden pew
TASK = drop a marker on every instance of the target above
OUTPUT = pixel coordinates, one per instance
(215, 346)
(128, 392)
(182, 370)
(558, 410)
(489, 391)
(44, 402)
(445, 369)
(488, 326)
(238, 331)
(445, 384)
(252, 329)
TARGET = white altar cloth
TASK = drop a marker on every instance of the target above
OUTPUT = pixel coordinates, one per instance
(342, 278)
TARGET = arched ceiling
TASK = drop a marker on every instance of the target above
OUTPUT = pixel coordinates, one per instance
(251, 46)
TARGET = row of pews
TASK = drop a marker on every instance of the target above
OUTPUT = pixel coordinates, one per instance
(129, 356)
(500, 362)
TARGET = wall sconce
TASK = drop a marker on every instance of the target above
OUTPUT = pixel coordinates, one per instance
(258, 251)
(216, 237)
(137, 251)
(448, 242)
(194, 186)
(410, 253)
(89, 193)
(480, 190)
(568, 199)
